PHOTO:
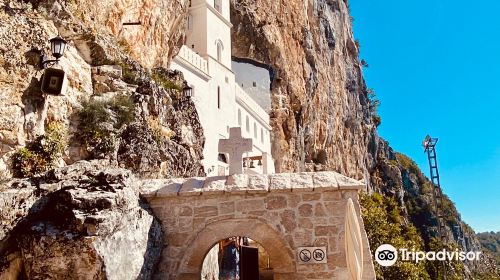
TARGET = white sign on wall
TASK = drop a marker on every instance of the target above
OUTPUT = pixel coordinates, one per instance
(311, 255)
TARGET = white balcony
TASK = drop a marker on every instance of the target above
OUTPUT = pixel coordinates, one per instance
(193, 59)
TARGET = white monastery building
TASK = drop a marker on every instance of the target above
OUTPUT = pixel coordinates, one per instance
(205, 60)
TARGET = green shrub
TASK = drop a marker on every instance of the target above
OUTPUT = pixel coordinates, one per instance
(125, 46)
(41, 154)
(408, 164)
(454, 269)
(373, 104)
(124, 107)
(377, 120)
(96, 116)
(128, 74)
(26, 163)
(426, 188)
(166, 83)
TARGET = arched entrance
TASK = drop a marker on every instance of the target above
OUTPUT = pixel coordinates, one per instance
(237, 257)
(281, 257)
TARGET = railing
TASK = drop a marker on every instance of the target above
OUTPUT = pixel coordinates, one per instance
(193, 58)
(250, 105)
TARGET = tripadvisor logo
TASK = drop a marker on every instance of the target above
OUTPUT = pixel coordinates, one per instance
(387, 255)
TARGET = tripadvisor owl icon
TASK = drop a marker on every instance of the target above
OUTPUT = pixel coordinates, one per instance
(386, 255)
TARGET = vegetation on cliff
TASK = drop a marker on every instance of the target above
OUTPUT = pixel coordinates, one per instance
(41, 154)
(99, 120)
(491, 242)
(403, 203)
(385, 225)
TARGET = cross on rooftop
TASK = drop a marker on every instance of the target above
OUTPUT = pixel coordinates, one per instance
(235, 146)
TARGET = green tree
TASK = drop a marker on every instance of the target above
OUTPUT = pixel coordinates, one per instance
(385, 225)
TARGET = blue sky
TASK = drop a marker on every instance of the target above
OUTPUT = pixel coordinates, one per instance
(435, 65)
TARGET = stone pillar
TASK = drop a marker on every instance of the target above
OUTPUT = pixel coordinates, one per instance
(267, 164)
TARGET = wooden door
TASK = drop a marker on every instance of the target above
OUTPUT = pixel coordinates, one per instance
(249, 263)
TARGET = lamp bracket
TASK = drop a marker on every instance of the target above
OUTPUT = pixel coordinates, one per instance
(45, 62)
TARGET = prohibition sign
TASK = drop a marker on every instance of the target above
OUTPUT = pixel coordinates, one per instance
(318, 255)
(305, 255)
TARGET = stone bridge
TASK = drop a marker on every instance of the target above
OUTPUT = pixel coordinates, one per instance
(282, 212)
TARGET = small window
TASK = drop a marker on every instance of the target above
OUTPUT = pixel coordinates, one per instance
(248, 124)
(239, 117)
(220, 48)
(222, 158)
(262, 135)
(255, 130)
(218, 97)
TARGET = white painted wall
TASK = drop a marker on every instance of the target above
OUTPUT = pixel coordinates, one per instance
(258, 128)
(217, 97)
(219, 30)
(197, 35)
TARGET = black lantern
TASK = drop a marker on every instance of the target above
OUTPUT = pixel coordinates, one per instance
(57, 46)
(187, 90)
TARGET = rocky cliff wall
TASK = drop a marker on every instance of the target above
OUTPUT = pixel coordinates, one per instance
(84, 221)
(73, 219)
(320, 109)
(150, 30)
(146, 125)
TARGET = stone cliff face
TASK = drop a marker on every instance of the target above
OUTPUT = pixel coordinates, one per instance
(102, 77)
(320, 109)
(152, 39)
(85, 221)
(69, 218)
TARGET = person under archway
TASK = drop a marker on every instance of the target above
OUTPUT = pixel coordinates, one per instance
(229, 259)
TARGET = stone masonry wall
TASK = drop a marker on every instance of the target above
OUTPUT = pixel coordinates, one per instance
(280, 211)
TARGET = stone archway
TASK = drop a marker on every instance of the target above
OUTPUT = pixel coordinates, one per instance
(284, 213)
(280, 253)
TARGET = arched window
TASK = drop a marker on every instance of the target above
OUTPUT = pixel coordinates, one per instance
(239, 117)
(255, 130)
(218, 97)
(248, 124)
(220, 48)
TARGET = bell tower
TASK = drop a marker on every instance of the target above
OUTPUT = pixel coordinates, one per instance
(209, 30)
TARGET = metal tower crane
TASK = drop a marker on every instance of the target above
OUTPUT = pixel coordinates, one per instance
(429, 144)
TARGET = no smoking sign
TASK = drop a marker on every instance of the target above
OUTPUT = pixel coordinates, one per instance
(310, 255)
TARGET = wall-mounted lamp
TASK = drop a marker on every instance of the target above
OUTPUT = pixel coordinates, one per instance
(187, 90)
(57, 47)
